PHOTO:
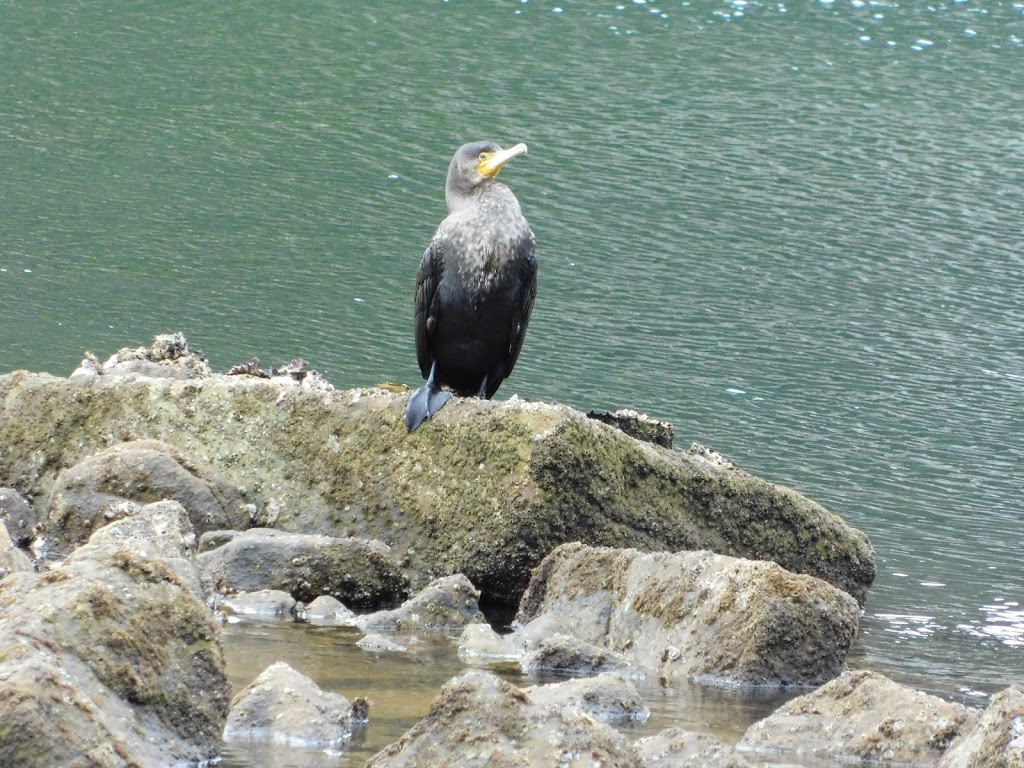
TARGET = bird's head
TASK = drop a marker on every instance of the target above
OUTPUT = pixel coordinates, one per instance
(476, 163)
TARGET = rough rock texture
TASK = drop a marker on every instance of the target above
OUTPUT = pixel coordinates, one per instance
(283, 706)
(697, 614)
(676, 748)
(111, 659)
(566, 653)
(445, 605)
(481, 721)
(608, 698)
(362, 574)
(862, 716)
(531, 476)
(12, 559)
(18, 516)
(638, 425)
(85, 496)
(997, 741)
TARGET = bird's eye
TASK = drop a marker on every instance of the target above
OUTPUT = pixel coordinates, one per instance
(484, 156)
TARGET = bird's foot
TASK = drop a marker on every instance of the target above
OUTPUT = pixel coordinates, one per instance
(424, 403)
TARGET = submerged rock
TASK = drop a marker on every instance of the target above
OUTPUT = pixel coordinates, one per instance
(696, 614)
(283, 706)
(608, 698)
(569, 654)
(445, 605)
(111, 659)
(360, 573)
(262, 604)
(862, 716)
(676, 748)
(997, 740)
(328, 611)
(486, 489)
(480, 720)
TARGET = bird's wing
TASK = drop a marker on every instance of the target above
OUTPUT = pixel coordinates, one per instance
(427, 306)
(528, 292)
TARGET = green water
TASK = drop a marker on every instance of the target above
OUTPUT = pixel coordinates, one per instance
(793, 229)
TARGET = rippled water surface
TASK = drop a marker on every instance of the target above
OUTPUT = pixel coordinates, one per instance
(793, 229)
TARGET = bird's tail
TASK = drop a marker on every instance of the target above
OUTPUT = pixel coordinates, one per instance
(424, 403)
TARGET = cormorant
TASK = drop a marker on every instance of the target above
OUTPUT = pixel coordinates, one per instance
(476, 285)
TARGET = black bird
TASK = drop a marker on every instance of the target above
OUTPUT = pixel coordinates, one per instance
(476, 285)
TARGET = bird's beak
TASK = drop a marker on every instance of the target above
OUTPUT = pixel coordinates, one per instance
(496, 162)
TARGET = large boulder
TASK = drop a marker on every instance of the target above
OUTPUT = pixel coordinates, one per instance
(360, 573)
(85, 496)
(486, 488)
(697, 615)
(112, 659)
(479, 720)
(862, 717)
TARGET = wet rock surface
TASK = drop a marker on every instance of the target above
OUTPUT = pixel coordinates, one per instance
(997, 739)
(862, 716)
(12, 559)
(18, 517)
(697, 615)
(480, 720)
(445, 605)
(361, 574)
(112, 657)
(283, 706)
(678, 748)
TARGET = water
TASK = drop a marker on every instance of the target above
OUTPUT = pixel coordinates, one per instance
(793, 229)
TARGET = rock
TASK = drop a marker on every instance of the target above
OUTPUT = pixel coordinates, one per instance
(479, 644)
(380, 644)
(480, 720)
(167, 357)
(487, 490)
(997, 740)
(697, 615)
(12, 559)
(18, 516)
(110, 659)
(445, 605)
(568, 654)
(87, 495)
(328, 611)
(637, 425)
(608, 698)
(360, 573)
(862, 716)
(676, 748)
(285, 707)
(262, 604)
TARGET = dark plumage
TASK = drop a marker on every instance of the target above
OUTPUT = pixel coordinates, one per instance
(476, 285)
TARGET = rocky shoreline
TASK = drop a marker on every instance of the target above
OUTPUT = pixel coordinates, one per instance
(145, 499)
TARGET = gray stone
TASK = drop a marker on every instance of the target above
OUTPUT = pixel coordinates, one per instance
(283, 706)
(89, 494)
(479, 720)
(481, 645)
(110, 659)
(446, 605)
(676, 748)
(18, 516)
(697, 615)
(608, 698)
(328, 611)
(569, 654)
(380, 644)
(262, 604)
(488, 490)
(12, 559)
(997, 740)
(360, 573)
(862, 716)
